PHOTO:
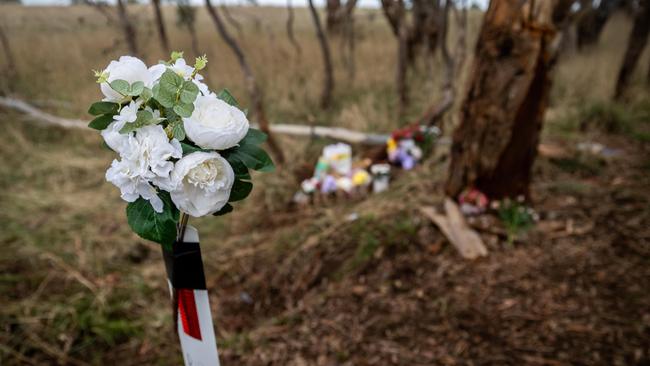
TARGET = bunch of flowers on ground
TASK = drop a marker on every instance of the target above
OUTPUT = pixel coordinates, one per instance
(182, 148)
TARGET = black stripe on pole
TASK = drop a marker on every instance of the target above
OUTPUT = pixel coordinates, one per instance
(185, 266)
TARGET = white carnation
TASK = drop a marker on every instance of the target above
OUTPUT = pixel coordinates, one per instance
(215, 124)
(131, 69)
(145, 162)
(203, 183)
(111, 134)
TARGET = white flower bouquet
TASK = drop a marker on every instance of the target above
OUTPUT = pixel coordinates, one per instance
(182, 148)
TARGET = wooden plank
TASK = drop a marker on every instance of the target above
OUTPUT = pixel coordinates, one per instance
(455, 228)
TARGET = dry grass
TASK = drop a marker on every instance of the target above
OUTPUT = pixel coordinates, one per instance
(76, 285)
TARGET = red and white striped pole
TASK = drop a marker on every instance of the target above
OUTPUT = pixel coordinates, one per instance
(191, 304)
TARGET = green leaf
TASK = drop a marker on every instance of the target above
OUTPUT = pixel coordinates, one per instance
(144, 118)
(189, 92)
(225, 95)
(171, 82)
(184, 110)
(240, 190)
(165, 98)
(120, 86)
(178, 131)
(253, 137)
(188, 149)
(241, 172)
(226, 209)
(99, 108)
(101, 122)
(136, 89)
(146, 94)
(253, 157)
(150, 225)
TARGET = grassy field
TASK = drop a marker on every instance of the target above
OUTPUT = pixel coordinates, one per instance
(77, 287)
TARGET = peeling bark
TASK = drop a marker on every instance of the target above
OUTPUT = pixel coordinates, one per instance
(495, 144)
(254, 91)
(635, 46)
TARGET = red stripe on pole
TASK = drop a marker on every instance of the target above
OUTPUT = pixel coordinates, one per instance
(188, 313)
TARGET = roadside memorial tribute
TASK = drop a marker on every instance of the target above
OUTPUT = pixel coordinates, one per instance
(183, 151)
(338, 174)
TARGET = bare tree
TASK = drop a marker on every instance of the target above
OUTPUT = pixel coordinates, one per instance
(635, 45)
(255, 93)
(232, 21)
(410, 37)
(162, 33)
(290, 34)
(102, 8)
(328, 82)
(186, 17)
(127, 28)
(453, 65)
(337, 15)
(9, 56)
(496, 142)
(592, 20)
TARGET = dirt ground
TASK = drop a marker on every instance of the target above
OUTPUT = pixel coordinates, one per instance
(572, 292)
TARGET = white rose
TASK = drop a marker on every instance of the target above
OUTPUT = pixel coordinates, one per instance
(215, 124)
(145, 163)
(203, 183)
(131, 69)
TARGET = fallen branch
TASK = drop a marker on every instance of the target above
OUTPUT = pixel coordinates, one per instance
(455, 228)
(335, 133)
(38, 115)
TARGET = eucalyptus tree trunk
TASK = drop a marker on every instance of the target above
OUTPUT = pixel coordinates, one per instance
(328, 81)
(255, 93)
(635, 45)
(290, 34)
(495, 145)
(127, 28)
(162, 33)
(9, 56)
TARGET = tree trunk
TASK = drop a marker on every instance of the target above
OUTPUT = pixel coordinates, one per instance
(254, 92)
(290, 34)
(9, 56)
(162, 33)
(452, 64)
(127, 28)
(328, 82)
(592, 21)
(635, 45)
(495, 144)
(400, 75)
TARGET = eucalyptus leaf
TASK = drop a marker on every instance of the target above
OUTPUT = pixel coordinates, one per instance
(189, 92)
(184, 110)
(178, 131)
(136, 88)
(120, 86)
(146, 94)
(99, 108)
(151, 225)
(144, 118)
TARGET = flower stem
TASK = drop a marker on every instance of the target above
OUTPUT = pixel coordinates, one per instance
(181, 227)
